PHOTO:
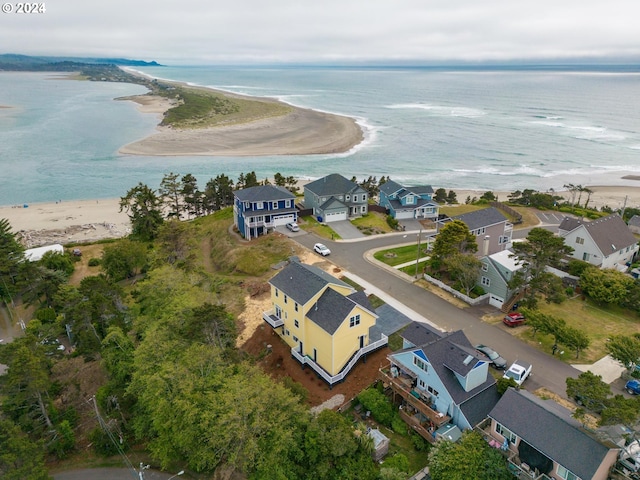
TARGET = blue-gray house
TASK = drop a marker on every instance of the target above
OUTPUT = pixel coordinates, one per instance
(258, 210)
(439, 378)
(408, 202)
(335, 198)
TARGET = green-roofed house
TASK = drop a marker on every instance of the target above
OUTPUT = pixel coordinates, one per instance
(326, 322)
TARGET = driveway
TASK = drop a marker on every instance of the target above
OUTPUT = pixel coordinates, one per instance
(112, 474)
(346, 230)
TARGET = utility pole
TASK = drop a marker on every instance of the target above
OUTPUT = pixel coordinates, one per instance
(418, 254)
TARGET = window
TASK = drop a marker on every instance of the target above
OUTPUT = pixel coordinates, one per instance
(363, 209)
(422, 385)
(285, 298)
(506, 433)
(580, 240)
(295, 322)
(278, 312)
(295, 306)
(295, 339)
(485, 281)
(432, 391)
(586, 256)
(420, 363)
(355, 320)
(485, 267)
(348, 197)
(286, 332)
(287, 203)
(259, 205)
(364, 197)
(503, 239)
(566, 474)
(277, 292)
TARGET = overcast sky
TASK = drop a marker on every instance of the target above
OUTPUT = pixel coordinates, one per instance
(327, 31)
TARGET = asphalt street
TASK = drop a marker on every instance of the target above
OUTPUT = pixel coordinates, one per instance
(547, 371)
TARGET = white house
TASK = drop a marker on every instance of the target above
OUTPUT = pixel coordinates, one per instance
(606, 242)
(35, 254)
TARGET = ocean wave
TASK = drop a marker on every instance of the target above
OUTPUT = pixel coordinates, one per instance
(548, 123)
(544, 172)
(441, 110)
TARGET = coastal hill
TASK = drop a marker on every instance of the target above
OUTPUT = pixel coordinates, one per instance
(16, 62)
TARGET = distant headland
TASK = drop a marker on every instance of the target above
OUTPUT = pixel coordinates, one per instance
(203, 121)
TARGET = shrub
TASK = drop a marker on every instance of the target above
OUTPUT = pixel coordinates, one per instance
(94, 262)
(398, 425)
(381, 409)
(392, 222)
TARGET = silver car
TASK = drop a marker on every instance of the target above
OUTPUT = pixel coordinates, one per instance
(496, 360)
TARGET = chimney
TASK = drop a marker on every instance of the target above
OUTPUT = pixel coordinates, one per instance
(485, 245)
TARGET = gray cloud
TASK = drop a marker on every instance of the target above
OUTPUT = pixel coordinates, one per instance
(241, 31)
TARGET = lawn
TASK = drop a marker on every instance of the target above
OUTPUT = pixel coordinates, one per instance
(598, 322)
(311, 225)
(372, 223)
(411, 269)
(397, 256)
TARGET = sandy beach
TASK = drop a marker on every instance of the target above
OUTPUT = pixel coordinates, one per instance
(300, 132)
(91, 220)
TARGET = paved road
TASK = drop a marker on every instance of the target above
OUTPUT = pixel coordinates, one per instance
(112, 474)
(547, 371)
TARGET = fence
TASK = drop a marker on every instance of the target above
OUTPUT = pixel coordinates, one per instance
(482, 299)
(517, 218)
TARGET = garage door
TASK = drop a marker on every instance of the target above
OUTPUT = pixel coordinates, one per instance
(496, 301)
(282, 220)
(335, 217)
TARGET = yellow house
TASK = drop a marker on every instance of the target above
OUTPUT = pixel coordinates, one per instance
(326, 322)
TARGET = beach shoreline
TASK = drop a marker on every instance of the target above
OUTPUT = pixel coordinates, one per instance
(301, 131)
(86, 221)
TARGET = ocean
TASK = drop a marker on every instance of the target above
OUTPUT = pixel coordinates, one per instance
(499, 129)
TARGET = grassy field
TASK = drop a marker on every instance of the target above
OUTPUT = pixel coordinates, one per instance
(372, 223)
(397, 256)
(599, 323)
(311, 225)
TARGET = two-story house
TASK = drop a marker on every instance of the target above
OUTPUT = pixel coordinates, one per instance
(543, 439)
(326, 322)
(492, 229)
(408, 202)
(258, 210)
(606, 242)
(496, 272)
(335, 198)
(439, 378)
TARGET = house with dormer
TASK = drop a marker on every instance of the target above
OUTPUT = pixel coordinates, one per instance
(606, 242)
(439, 378)
(327, 323)
(408, 202)
(490, 227)
(335, 198)
(543, 440)
(258, 210)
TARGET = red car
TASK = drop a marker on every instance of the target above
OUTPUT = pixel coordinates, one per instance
(513, 319)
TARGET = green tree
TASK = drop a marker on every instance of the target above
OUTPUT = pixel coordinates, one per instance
(176, 244)
(620, 409)
(452, 198)
(488, 197)
(590, 390)
(20, 458)
(58, 262)
(43, 284)
(218, 193)
(464, 269)
(11, 259)
(124, 259)
(541, 249)
(605, 286)
(440, 195)
(143, 207)
(191, 195)
(171, 194)
(470, 457)
(625, 348)
(454, 238)
(575, 339)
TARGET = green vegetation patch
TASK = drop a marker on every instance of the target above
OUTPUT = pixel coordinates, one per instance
(201, 109)
(311, 225)
(397, 256)
(372, 223)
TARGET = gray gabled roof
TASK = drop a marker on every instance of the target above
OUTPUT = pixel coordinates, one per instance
(419, 334)
(263, 193)
(446, 356)
(478, 407)
(549, 428)
(609, 233)
(390, 187)
(332, 309)
(301, 282)
(333, 204)
(634, 221)
(334, 184)
(481, 218)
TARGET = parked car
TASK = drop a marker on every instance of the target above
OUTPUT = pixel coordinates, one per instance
(496, 360)
(321, 249)
(633, 387)
(514, 319)
(293, 226)
(519, 371)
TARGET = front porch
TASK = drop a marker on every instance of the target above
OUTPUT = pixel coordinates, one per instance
(416, 408)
